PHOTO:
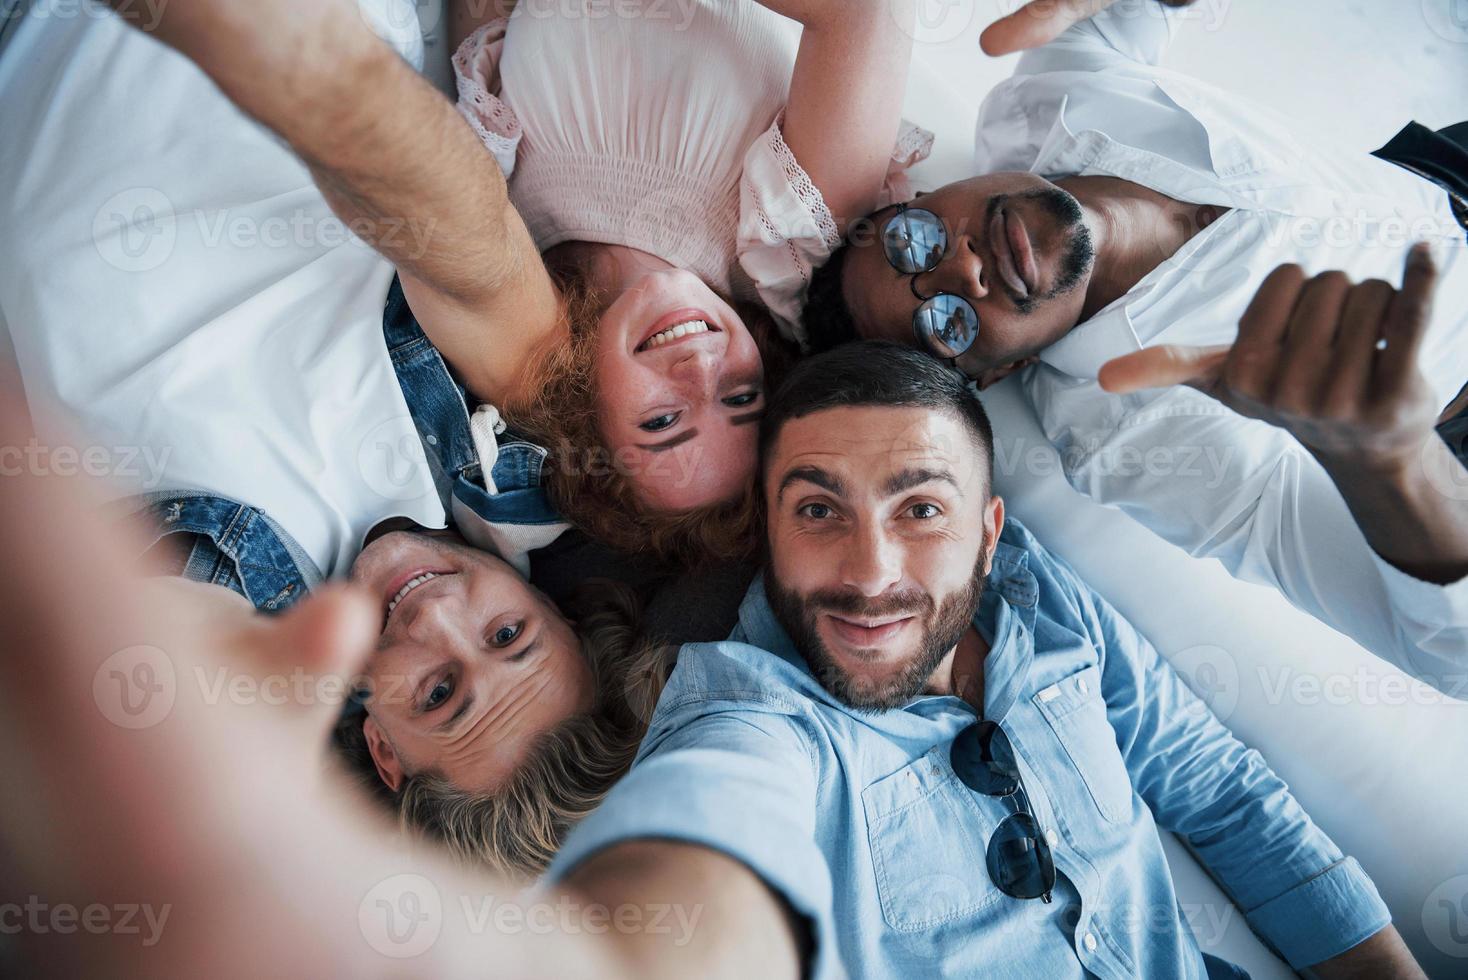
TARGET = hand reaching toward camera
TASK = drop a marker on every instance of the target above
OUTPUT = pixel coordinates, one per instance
(1332, 363)
(1335, 365)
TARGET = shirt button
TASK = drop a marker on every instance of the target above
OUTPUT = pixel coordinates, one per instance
(432, 439)
(1090, 943)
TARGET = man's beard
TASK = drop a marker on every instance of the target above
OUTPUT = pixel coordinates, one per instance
(798, 614)
(1080, 252)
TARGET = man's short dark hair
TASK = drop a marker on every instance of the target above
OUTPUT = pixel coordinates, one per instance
(877, 372)
(827, 319)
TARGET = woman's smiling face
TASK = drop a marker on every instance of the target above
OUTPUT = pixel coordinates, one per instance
(473, 663)
(680, 389)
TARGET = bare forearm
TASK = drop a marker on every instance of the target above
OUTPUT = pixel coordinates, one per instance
(724, 922)
(1405, 512)
(1382, 957)
(846, 91)
(391, 155)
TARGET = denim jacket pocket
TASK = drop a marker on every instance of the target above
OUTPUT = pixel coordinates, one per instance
(927, 845)
(1076, 712)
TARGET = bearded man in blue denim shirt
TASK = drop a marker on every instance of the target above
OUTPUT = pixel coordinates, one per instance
(938, 748)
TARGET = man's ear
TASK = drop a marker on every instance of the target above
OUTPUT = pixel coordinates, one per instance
(996, 375)
(389, 766)
(993, 527)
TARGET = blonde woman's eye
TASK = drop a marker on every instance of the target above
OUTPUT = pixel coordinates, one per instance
(739, 401)
(661, 422)
(441, 692)
(506, 635)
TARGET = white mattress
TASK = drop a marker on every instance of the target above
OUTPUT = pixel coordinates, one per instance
(1374, 757)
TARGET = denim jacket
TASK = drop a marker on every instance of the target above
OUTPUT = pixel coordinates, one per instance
(241, 548)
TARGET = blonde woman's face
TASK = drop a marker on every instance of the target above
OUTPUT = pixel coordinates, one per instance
(680, 390)
(473, 663)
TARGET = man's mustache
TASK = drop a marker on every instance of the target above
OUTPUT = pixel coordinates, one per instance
(848, 603)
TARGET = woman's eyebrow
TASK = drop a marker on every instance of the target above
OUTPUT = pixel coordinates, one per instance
(673, 443)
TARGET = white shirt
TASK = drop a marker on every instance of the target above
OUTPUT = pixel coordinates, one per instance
(657, 126)
(1213, 482)
(175, 283)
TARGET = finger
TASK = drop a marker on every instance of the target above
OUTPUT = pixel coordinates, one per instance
(1406, 320)
(1355, 346)
(69, 603)
(1309, 336)
(1256, 354)
(328, 636)
(1164, 366)
(1036, 23)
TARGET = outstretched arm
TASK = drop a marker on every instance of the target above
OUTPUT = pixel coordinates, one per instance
(1312, 904)
(165, 771)
(845, 104)
(389, 152)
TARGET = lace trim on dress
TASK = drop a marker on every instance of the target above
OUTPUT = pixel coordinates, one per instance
(804, 188)
(476, 72)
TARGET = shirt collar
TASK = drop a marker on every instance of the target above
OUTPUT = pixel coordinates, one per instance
(1082, 351)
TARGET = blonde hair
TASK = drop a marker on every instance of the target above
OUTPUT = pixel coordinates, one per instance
(516, 829)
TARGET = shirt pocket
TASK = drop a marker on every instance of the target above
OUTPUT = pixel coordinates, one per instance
(1076, 712)
(927, 842)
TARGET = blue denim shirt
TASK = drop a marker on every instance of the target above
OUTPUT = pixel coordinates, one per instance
(859, 821)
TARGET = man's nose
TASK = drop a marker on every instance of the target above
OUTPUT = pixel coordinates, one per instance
(435, 622)
(961, 272)
(872, 563)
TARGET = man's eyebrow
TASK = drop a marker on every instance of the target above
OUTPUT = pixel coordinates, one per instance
(459, 712)
(673, 443)
(812, 474)
(916, 477)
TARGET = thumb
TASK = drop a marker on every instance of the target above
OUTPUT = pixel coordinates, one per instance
(327, 636)
(1164, 366)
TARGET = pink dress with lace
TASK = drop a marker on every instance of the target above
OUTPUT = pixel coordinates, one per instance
(660, 131)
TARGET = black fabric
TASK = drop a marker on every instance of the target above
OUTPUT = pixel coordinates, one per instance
(698, 606)
(1441, 156)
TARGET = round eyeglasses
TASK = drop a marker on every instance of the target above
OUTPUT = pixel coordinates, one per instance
(914, 241)
(1019, 858)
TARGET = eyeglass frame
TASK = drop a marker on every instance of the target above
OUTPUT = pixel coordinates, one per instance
(927, 336)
